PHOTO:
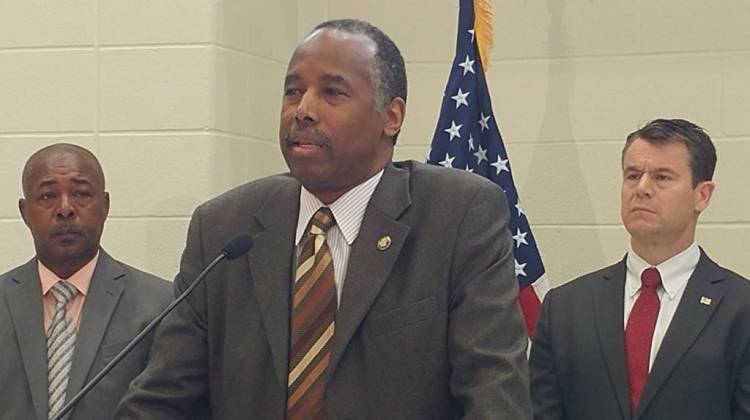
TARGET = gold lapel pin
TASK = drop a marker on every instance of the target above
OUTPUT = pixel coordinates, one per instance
(705, 300)
(384, 242)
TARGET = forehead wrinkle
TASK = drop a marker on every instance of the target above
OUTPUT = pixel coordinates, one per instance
(45, 182)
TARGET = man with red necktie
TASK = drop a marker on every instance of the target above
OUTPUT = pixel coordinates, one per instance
(664, 333)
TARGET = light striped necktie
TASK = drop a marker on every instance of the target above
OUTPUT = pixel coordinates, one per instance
(312, 323)
(61, 339)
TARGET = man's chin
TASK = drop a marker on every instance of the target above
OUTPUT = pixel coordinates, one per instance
(73, 252)
(641, 227)
(312, 177)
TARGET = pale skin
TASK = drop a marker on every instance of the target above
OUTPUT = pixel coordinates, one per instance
(659, 203)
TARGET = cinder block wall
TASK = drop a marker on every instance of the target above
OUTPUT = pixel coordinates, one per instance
(180, 100)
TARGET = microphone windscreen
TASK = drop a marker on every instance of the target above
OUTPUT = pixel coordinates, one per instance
(238, 245)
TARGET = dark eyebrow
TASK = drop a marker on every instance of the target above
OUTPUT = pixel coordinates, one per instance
(333, 78)
(657, 170)
(47, 182)
(80, 181)
(669, 170)
(52, 181)
(632, 168)
(328, 78)
(291, 78)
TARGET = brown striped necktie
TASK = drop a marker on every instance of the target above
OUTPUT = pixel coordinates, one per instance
(312, 322)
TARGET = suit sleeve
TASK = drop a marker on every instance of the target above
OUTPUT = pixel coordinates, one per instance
(545, 391)
(741, 395)
(487, 338)
(174, 384)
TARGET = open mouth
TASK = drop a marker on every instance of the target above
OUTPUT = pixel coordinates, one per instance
(304, 146)
(307, 139)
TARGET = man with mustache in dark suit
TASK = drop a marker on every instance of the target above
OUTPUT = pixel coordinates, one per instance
(374, 289)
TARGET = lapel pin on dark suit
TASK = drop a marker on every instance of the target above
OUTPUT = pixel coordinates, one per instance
(706, 300)
(384, 242)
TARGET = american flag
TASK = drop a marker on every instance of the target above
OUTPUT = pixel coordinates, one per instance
(467, 137)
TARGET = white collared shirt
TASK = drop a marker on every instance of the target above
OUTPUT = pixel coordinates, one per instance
(675, 273)
(348, 210)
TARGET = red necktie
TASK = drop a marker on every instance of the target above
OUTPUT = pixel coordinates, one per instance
(639, 332)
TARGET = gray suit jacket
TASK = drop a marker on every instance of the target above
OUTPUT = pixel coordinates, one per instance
(120, 302)
(426, 329)
(701, 372)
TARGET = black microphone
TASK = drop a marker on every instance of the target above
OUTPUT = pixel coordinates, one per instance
(236, 247)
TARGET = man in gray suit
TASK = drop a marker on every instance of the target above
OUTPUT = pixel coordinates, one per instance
(68, 311)
(664, 333)
(416, 316)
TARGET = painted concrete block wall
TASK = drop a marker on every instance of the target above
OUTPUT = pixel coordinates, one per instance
(180, 100)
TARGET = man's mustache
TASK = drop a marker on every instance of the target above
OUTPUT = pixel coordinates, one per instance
(66, 230)
(307, 137)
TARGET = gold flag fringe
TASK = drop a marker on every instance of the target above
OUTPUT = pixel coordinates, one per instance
(483, 30)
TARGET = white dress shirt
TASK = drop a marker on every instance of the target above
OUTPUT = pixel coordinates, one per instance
(348, 210)
(675, 273)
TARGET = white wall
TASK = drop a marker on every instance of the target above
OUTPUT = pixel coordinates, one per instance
(180, 100)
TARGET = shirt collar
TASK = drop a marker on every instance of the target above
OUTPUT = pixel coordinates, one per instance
(348, 210)
(674, 272)
(81, 279)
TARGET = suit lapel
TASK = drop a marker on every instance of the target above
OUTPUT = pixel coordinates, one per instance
(271, 268)
(25, 305)
(608, 304)
(369, 267)
(103, 294)
(688, 322)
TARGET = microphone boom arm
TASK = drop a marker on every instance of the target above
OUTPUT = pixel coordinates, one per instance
(138, 338)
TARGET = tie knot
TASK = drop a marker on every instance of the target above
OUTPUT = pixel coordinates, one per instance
(650, 277)
(321, 221)
(63, 292)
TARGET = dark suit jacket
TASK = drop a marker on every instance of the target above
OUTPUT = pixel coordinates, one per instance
(426, 329)
(701, 371)
(120, 302)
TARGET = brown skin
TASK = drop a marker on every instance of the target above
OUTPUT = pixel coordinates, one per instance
(659, 205)
(333, 135)
(65, 207)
